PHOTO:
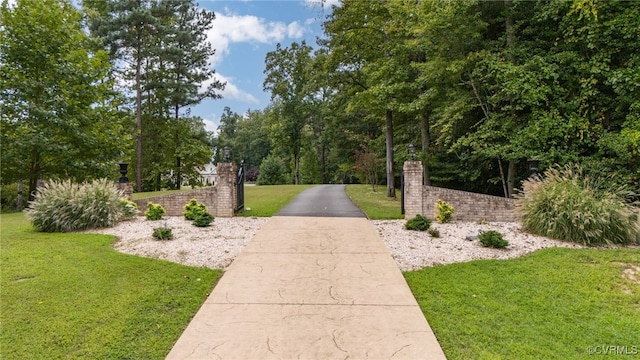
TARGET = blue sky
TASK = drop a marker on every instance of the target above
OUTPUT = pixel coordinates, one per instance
(242, 34)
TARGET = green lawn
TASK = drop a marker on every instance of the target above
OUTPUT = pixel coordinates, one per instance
(376, 205)
(72, 296)
(551, 304)
(267, 200)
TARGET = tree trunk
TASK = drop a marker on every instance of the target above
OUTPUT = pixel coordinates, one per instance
(178, 160)
(425, 138)
(511, 177)
(391, 189)
(33, 175)
(296, 166)
(138, 123)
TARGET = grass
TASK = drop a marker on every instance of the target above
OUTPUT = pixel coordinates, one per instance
(551, 304)
(267, 200)
(72, 296)
(376, 205)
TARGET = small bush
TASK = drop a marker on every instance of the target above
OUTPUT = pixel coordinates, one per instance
(568, 205)
(418, 223)
(193, 209)
(154, 211)
(492, 239)
(162, 233)
(9, 197)
(203, 220)
(129, 208)
(61, 206)
(444, 212)
(434, 232)
(272, 171)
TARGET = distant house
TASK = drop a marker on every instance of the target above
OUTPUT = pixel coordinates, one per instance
(209, 174)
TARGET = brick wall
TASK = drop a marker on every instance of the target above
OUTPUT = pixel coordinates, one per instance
(174, 204)
(469, 206)
(220, 200)
(421, 199)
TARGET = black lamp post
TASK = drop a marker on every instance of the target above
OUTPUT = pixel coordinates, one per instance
(227, 153)
(123, 172)
(534, 167)
(412, 151)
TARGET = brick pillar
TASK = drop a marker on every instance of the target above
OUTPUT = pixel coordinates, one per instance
(126, 188)
(412, 189)
(226, 189)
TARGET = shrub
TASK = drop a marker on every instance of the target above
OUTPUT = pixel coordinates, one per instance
(444, 212)
(434, 232)
(162, 233)
(9, 197)
(418, 223)
(492, 239)
(203, 220)
(154, 211)
(566, 204)
(129, 208)
(272, 171)
(66, 206)
(193, 209)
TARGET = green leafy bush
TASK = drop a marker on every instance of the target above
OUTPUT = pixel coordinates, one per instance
(193, 209)
(61, 206)
(162, 233)
(444, 212)
(129, 208)
(418, 223)
(203, 220)
(272, 171)
(9, 197)
(154, 211)
(434, 232)
(568, 205)
(492, 239)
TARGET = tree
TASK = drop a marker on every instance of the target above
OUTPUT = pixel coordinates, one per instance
(57, 103)
(287, 75)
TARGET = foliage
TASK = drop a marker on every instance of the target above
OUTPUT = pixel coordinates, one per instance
(129, 208)
(287, 74)
(154, 211)
(163, 233)
(203, 220)
(160, 49)
(63, 206)
(193, 209)
(444, 211)
(492, 239)
(434, 232)
(57, 288)
(272, 171)
(8, 197)
(525, 305)
(568, 204)
(367, 164)
(418, 223)
(58, 108)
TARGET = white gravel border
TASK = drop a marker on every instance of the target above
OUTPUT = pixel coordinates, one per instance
(217, 245)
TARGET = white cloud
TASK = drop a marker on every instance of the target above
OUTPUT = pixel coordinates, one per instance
(210, 125)
(231, 91)
(327, 4)
(231, 28)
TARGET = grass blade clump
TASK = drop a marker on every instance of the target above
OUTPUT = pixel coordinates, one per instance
(63, 206)
(568, 205)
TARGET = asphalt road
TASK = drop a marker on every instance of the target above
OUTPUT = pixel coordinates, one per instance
(322, 201)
